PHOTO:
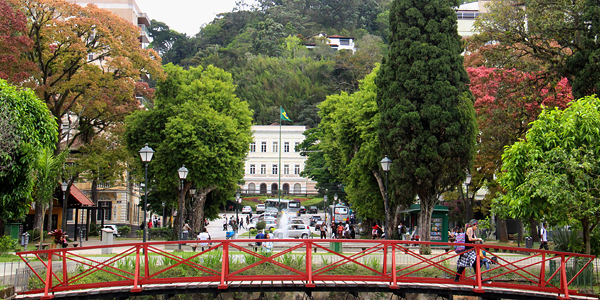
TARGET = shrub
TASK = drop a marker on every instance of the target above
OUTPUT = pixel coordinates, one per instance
(94, 229)
(34, 235)
(566, 240)
(124, 231)
(160, 233)
(7, 244)
(261, 225)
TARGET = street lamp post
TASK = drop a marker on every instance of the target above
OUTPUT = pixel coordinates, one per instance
(183, 172)
(63, 187)
(163, 216)
(385, 165)
(238, 200)
(469, 208)
(335, 198)
(146, 155)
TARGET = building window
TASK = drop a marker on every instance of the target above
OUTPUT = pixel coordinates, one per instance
(297, 188)
(91, 56)
(70, 214)
(275, 147)
(263, 169)
(252, 169)
(128, 213)
(253, 147)
(297, 169)
(296, 146)
(251, 188)
(286, 169)
(263, 147)
(344, 42)
(274, 169)
(286, 147)
(106, 207)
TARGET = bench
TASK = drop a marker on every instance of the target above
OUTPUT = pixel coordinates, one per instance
(42, 246)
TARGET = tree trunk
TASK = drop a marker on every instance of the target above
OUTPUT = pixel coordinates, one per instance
(533, 232)
(39, 215)
(427, 205)
(502, 232)
(199, 207)
(41, 228)
(50, 208)
(585, 224)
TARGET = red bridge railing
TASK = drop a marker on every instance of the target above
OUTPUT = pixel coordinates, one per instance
(307, 261)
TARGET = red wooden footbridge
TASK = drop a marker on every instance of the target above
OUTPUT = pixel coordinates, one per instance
(305, 265)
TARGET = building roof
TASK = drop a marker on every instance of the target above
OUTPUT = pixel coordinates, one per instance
(470, 6)
(79, 198)
(340, 37)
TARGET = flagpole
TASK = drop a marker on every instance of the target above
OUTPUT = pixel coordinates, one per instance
(279, 166)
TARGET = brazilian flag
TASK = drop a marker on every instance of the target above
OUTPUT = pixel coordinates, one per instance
(284, 116)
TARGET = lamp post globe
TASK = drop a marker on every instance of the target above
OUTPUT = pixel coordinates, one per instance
(146, 154)
(385, 165)
(183, 172)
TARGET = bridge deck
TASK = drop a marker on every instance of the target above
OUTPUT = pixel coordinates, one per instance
(445, 290)
(226, 266)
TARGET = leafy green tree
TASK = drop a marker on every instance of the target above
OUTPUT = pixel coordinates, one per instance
(316, 166)
(553, 174)
(198, 122)
(48, 169)
(427, 125)
(29, 128)
(351, 147)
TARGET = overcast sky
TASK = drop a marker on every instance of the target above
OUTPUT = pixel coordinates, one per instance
(185, 16)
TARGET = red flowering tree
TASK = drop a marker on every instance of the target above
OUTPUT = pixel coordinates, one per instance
(507, 101)
(13, 43)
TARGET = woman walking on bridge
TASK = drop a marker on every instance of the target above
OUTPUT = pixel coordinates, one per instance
(468, 258)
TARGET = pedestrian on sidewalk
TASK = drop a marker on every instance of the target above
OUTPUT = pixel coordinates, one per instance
(544, 237)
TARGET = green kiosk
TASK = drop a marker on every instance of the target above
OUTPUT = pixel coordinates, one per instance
(439, 221)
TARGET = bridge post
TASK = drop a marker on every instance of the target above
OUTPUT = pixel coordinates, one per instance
(309, 281)
(136, 278)
(542, 282)
(224, 265)
(478, 289)
(563, 277)
(65, 270)
(146, 264)
(394, 278)
(385, 254)
(48, 278)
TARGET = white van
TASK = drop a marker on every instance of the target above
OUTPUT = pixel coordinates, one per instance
(260, 208)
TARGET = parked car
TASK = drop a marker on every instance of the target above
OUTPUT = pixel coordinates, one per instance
(269, 221)
(114, 229)
(293, 231)
(247, 210)
(313, 210)
(296, 221)
(260, 208)
(314, 219)
(302, 210)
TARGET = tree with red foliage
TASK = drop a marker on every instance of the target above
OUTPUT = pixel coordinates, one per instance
(507, 101)
(13, 43)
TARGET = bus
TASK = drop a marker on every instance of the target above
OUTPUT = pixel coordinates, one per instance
(341, 213)
(292, 206)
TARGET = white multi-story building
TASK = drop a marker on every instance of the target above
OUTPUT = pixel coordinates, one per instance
(262, 168)
(467, 13)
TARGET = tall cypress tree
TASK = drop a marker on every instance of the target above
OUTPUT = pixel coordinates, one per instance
(428, 125)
